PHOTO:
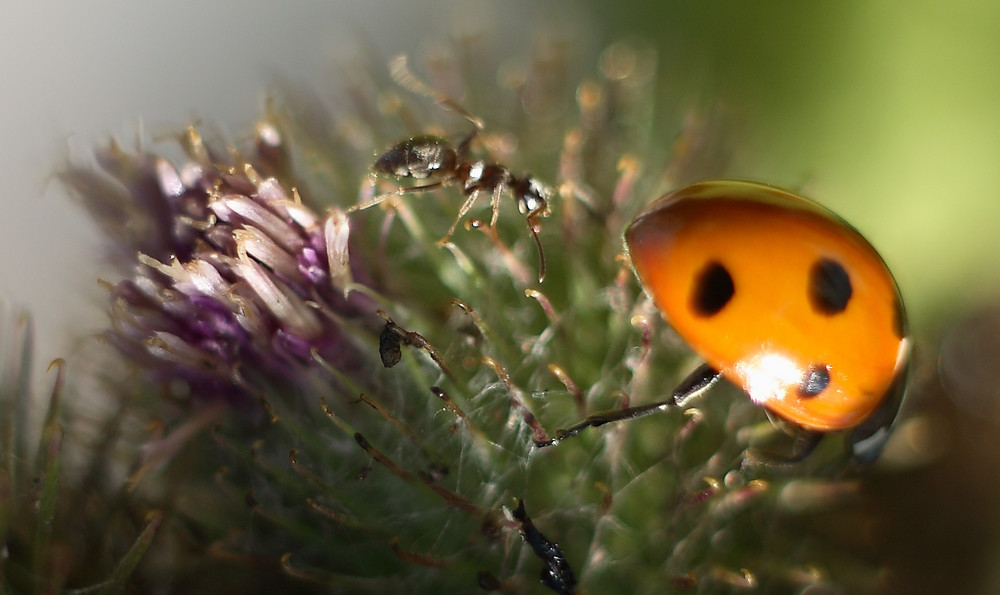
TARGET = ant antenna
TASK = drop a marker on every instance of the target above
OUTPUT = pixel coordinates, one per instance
(533, 230)
(400, 72)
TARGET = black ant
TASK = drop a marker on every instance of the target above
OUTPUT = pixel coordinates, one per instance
(433, 158)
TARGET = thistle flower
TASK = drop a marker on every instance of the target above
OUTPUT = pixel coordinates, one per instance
(387, 392)
(235, 276)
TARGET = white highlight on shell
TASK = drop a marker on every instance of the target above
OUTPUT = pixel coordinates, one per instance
(768, 375)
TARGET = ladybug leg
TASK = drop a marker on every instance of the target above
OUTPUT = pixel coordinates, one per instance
(805, 442)
(696, 383)
(787, 462)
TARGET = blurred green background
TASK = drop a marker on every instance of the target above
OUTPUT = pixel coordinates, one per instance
(887, 112)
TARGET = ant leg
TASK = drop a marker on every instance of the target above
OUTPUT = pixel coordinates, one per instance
(400, 72)
(462, 212)
(700, 380)
(495, 204)
(402, 190)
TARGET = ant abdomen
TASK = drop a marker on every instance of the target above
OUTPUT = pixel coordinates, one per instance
(418, 157)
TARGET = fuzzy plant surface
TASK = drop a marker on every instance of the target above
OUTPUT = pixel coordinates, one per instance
(332, 399)
(64, 527)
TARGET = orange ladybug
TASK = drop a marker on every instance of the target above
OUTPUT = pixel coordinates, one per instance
(782, 298)
(779, 296)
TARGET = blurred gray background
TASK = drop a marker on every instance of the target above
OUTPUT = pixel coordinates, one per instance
(75, 74)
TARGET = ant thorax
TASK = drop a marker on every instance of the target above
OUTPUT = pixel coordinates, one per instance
(471, 173)
(478, 176)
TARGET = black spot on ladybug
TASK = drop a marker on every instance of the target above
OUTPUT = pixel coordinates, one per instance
(816, 380)
(713, 288)
(829, 287)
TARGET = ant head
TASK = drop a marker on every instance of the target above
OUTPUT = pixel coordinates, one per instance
(418, 157)
(532, 195)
